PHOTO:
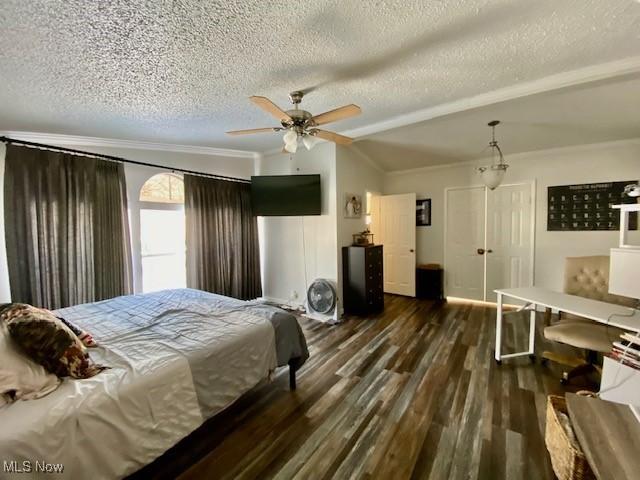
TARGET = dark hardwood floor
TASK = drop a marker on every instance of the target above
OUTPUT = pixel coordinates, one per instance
(412, 393)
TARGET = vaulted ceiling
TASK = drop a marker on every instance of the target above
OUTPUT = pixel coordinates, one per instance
(600, 111)
(181, 71)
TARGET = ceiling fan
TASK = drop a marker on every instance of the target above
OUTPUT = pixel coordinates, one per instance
(300, 124)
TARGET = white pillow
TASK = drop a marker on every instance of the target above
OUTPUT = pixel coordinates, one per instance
(21, 377)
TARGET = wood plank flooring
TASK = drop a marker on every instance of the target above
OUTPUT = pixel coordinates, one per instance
(412, 393)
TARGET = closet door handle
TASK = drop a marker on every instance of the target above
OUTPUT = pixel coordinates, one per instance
(480, 251)
(411, 250)
(489, 251)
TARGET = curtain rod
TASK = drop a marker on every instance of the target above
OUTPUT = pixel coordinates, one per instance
(112, 158)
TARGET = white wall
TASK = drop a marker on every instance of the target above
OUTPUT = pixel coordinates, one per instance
(285, 261)
(135, 177)
(297, 250)
(584, 164)
(356, 175)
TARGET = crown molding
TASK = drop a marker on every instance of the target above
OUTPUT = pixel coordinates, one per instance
(59, 139)
(571, 149)
(589, 74)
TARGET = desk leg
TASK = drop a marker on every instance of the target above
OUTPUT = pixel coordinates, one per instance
(532, 332)
(498, 352)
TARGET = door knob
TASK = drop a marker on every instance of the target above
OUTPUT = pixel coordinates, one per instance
(481, 251)
(411, 250)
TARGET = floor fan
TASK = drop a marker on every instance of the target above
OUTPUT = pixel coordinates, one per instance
(322, 301)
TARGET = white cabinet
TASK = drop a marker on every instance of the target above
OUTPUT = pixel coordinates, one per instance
(624, 272)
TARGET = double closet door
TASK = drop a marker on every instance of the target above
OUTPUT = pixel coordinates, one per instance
(489, 240)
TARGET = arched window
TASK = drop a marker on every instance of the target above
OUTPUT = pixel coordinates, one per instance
(162, 233)
(163, 188)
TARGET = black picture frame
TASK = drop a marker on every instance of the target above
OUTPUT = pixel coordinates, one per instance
(587, 207)
(423, 212)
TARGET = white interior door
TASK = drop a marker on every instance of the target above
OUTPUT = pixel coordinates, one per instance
(464, 266)
(509, 249)
(398, 229)
(374, 211)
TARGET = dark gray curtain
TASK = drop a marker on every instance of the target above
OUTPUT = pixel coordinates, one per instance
(222, 238)
(66, 228)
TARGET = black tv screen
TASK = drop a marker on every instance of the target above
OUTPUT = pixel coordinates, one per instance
(286, 195)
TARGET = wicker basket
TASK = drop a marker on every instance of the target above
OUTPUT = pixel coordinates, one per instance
(569, 462)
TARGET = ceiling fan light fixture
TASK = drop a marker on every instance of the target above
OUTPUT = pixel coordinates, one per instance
(291, 136)
(291, 147)
(309, 141)
(299, 124)
(492, 175)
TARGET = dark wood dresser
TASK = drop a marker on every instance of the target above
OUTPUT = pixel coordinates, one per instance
(362, 280)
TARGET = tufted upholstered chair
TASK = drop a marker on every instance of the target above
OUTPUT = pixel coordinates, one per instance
(585, 277)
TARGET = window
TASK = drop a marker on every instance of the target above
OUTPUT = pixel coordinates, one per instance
(162, 233)
(163, 188)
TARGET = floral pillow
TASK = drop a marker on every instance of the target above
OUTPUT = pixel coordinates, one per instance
(48, 341)
(85, 337)
(20, 377)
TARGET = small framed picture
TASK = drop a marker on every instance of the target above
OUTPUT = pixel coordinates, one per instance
(352, 205)
(423, 213)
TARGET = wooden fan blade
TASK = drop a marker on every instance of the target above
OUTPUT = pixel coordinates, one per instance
(271, 108)
(252, 130)
(337, 114)
(333, 137)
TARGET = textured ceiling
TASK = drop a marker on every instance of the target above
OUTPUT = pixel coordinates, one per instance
(602, 111)
(181, 71)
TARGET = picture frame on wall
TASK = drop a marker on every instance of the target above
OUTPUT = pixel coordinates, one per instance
(352, 205)
(423, 212)
(587, 207)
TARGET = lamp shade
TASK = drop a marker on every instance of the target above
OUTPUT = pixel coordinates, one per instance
(309, 141)
(493, 175)
(290, 136)
(291, 147)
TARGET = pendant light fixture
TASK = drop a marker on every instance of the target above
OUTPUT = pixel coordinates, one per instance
(492, 175)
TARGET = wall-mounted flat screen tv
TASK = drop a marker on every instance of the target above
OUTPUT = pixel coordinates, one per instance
(286, 195)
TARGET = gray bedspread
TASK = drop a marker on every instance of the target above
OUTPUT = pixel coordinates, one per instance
(136, 313)
(207, 328)
(291, 345)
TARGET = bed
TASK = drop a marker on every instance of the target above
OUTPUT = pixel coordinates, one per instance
(176, 358)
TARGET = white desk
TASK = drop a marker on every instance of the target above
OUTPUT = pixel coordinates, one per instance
(615, 315)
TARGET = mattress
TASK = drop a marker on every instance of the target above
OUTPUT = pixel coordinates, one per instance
(176, 358)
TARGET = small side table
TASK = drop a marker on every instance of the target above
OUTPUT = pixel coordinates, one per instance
(429, 282)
